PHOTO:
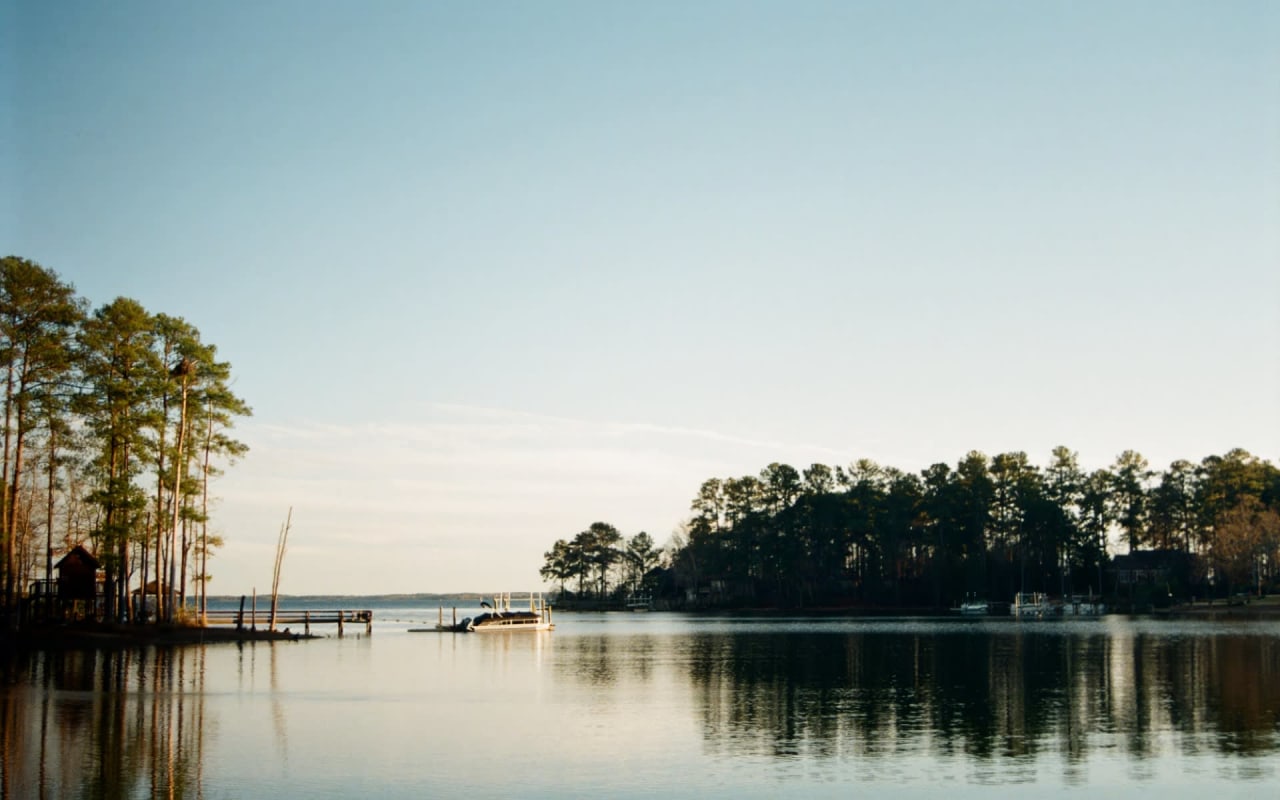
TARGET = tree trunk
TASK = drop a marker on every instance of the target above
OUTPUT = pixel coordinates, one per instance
(204, 520)
(162, 604)
(177, 494)
(9, 549)
(53, 480)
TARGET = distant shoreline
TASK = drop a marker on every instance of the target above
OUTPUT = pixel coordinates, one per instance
(382, 598)
(109, 635)
(1257, 608)
(1262, 608)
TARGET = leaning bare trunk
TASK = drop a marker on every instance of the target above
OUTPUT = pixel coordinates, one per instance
(275, 576)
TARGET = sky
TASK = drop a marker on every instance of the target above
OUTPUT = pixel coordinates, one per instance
(488, 273)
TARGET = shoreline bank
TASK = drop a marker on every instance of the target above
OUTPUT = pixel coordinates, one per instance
(113, 635)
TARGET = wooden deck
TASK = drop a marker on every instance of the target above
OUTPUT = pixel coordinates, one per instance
(284, 617)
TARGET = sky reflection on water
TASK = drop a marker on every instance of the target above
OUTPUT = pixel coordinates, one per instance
(640, 705)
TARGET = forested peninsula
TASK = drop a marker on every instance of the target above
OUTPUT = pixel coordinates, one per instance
(989, 527)
(116, 420)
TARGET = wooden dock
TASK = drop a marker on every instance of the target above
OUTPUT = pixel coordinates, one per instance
(253, 619)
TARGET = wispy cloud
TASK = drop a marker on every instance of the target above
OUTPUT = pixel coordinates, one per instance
(500, 485)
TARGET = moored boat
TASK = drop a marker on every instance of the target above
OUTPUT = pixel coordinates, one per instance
(502, 618)
(1031, 604)
(639, 602)
(1040, 606)
(973, 607)
(1083, 606)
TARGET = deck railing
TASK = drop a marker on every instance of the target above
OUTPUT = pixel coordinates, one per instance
(306, 617)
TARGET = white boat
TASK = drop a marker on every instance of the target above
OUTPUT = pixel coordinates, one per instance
(1031, 604)
(501, 618)
(639, 602)
(1083, 606)
(973, 607)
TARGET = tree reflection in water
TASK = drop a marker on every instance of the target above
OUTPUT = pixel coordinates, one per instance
(745, 705)
(102, 724)
(996, 696)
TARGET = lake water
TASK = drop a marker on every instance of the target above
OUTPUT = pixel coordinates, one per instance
(647, 705)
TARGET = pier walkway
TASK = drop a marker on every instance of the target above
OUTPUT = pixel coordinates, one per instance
(252, 619)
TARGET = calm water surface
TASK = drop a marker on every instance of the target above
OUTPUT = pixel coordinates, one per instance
(639, 705)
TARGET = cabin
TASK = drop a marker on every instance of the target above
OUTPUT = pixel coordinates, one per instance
(146, 600)
(1151, 566)
(1153, 578)
(77, 575)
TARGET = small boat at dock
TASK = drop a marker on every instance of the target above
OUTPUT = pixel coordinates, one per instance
(639, 602)
(973, 607)
(1083, 606)
(1034, 605)
(502, 618)
(1031, 605)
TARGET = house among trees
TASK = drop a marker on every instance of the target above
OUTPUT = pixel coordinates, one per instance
(1152, 577)
(146, 600)
(77, 579)
(1151, 566)
(77, 575)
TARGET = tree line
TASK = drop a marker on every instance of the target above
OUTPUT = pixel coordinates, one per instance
(116, 419)
(600, 563)
(988, 527)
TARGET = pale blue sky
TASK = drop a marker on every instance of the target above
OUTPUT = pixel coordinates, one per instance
(488, 273)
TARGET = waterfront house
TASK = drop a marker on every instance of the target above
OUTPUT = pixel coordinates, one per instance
(1153, 578)
(1151, 566)
(77, 575)
(145, 602)
(78, 585)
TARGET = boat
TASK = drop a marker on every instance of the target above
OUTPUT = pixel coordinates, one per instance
(501, 618)
(1078, 605)
(1031, 604)
(973, 607)
(639, 602)
(1039, 606)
